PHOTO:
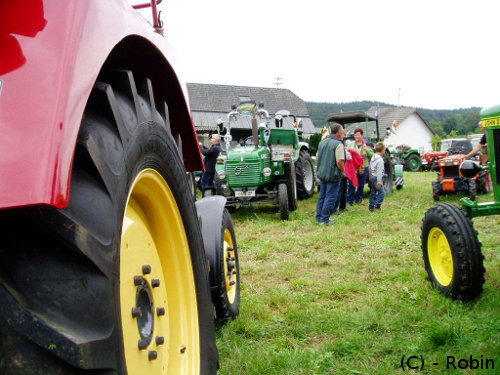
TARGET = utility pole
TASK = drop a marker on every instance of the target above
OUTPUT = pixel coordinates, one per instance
(277, 82)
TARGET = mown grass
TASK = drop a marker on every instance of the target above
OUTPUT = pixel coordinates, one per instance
(353, 298)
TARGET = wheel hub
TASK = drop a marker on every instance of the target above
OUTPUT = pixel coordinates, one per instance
(144, 303)
(230, 269)
(159, 310)
(440, 257)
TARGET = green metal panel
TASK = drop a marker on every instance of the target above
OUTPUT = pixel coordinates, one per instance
(491, 122)
(283, 137)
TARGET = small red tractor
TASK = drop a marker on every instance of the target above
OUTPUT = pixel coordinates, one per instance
(107, 264)
(450, 179)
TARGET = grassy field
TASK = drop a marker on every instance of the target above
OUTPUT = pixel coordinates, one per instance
(353, 298)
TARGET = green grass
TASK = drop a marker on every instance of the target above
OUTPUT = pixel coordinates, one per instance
(353, 298)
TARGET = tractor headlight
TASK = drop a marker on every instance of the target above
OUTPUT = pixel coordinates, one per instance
(221, 173)
(266, 172)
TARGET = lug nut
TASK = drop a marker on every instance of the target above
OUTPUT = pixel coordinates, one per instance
(183, 349)
(152, 355)
(232, 283)
(160, 311)
(138, 280)
(160, 340)
(143, 344)
(146, 269)
(155, 283)
(136, 312)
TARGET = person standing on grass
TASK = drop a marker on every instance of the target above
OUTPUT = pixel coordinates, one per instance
(211, 154)
(340, 204)
(355, 195)
(377, 192)
(330, 170)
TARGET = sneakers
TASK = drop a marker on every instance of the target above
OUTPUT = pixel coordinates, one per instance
(376, 209)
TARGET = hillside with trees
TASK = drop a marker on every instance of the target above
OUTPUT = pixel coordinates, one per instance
(446, 122)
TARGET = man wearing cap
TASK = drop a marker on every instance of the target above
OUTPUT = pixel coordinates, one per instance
(211, 154)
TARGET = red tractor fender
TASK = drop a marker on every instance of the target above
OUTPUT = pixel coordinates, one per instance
(52, 52)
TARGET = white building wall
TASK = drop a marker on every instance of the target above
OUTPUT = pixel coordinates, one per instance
(412, 131)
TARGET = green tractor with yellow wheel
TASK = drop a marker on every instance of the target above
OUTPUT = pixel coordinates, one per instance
(450, 246)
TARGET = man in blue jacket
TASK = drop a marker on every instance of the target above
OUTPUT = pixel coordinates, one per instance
(330, 171)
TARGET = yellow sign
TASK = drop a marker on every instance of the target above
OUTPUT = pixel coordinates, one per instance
(492, 121)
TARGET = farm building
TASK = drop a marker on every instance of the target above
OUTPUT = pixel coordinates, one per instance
(406, 126)
(210, 102)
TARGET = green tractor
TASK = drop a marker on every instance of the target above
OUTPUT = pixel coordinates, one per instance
(393, 168)
(450, 247)
(408, 157)
(270, 165)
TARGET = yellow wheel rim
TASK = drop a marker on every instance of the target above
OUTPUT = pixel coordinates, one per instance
(440, 257)
(156, 278)
(230, 266)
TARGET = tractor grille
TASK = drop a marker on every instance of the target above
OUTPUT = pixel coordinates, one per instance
(450, 171)
(496, 147)
(247, 174)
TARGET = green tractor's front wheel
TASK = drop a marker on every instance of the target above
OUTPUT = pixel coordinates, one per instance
(413, 163)
(452, 252)
(283, 201)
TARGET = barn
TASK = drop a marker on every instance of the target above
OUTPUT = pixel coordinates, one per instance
(210, 102)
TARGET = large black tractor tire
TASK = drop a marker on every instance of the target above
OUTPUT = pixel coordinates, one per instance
(436, 190)
(117, 282)
(291, 186)
(452, 252)
(413, 163)
(192, 184)
(283, 201)
(389, 174)
(226, 292)
(304, 169)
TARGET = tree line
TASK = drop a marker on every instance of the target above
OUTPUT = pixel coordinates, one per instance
(445, 122)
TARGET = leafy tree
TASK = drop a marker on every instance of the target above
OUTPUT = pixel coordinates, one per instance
(436, 142)
(314, 142)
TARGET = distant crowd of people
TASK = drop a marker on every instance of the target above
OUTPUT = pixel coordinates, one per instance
(343, 171)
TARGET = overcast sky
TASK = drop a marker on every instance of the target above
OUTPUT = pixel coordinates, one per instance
(436, 54)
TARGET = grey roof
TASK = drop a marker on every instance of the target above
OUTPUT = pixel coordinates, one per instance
(210, 102)
(386, 117)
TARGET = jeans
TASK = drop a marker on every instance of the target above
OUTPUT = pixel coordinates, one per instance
(376, 196)
(356, 194)
(207, 180)
(326, 201)
(341, 197)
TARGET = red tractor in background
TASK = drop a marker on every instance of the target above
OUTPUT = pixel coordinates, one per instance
(449, 176)
(107, 265)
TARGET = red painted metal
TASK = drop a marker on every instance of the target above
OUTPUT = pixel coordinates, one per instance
(152, 4)
(55, 51)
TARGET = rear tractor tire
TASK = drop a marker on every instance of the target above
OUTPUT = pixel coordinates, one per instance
(304, 169)
(117, 282)
(452, 252)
